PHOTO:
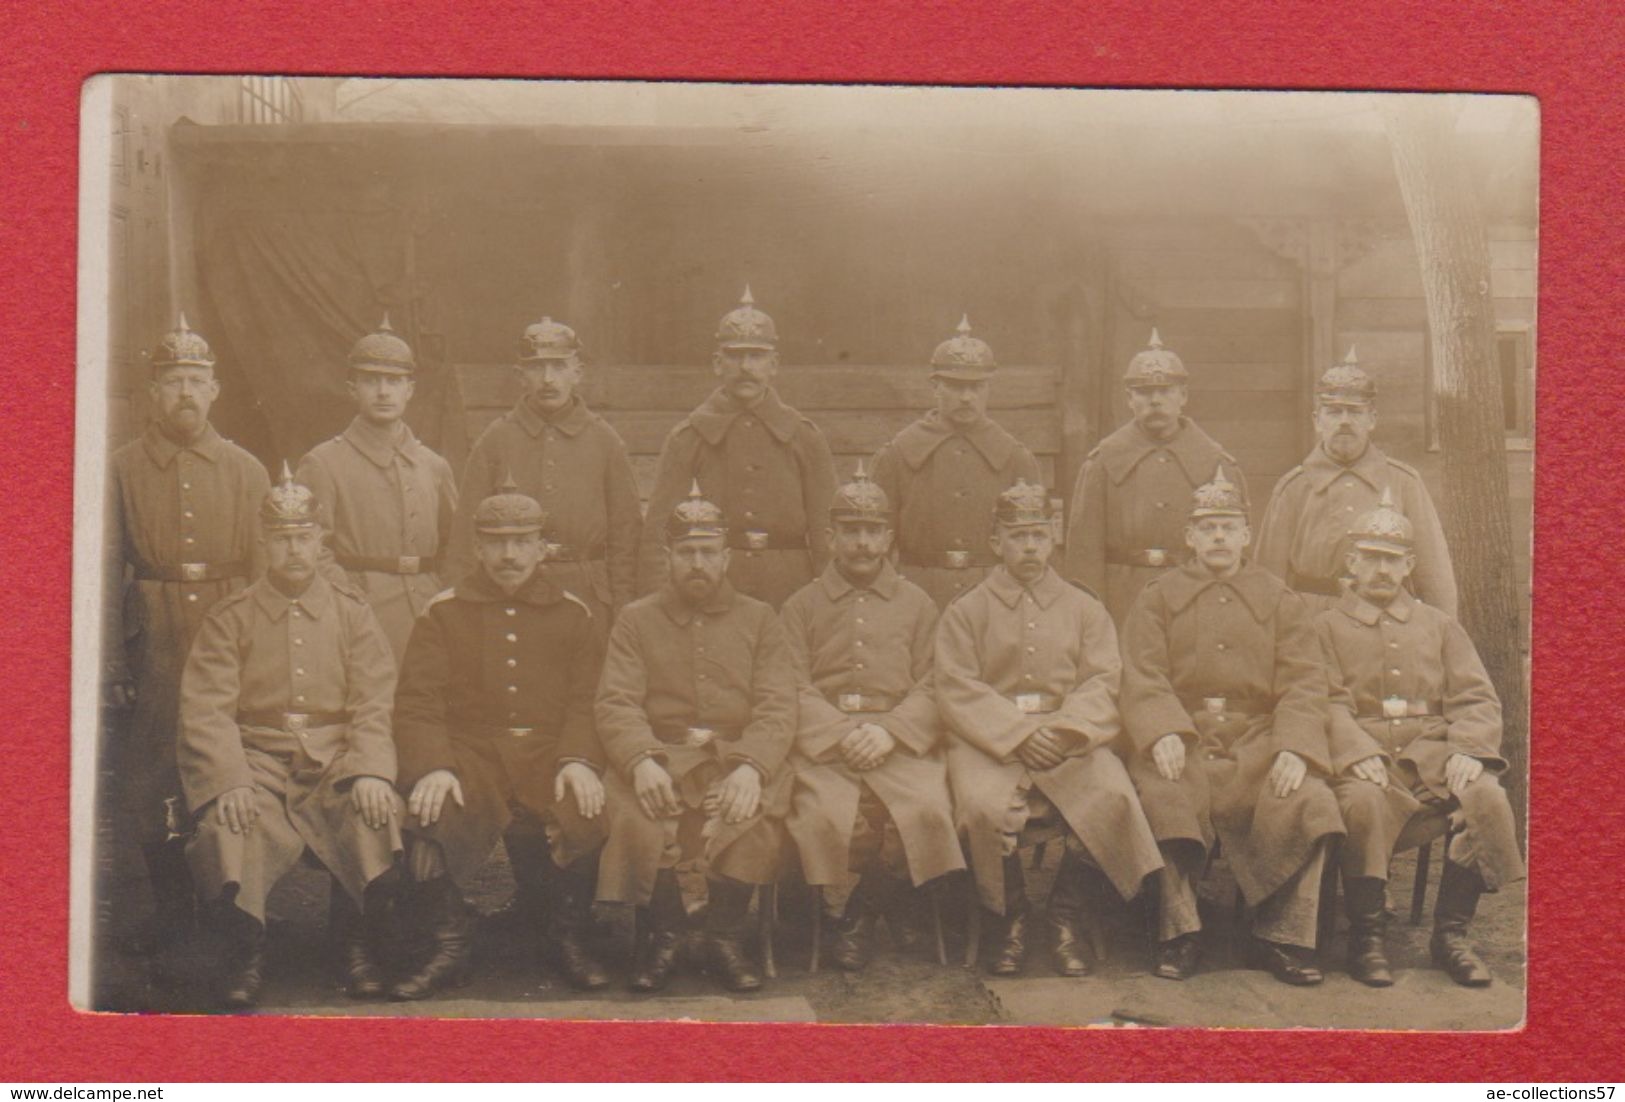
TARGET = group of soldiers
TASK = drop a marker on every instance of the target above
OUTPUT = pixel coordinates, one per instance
(881, 683)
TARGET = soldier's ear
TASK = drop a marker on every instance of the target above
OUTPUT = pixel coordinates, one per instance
(1246, 535)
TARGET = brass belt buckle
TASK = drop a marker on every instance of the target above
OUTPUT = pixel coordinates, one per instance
(194, 571)
(409, 564)
(520, 732)
(1394, 707)
(295, 721)
(850, 702)
(957, 560)
(1030, 703)
(1214, 705)
(756, 539)
(698, 736)
(1156, 556)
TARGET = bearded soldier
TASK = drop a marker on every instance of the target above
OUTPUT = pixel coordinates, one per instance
(569, 459)
(943, 472)
(871, 788)
(1302, 537)
(1127, 520)
(1225, 702)
(1027, 671)
(696, 710)
(493, 720)
(285, 745)
(1415, 736)
(767, 466)
(385, 496)
(180, 536)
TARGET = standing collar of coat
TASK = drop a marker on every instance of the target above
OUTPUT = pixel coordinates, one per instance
(1196, 452)
(570, 420)
(381, 446)
(1003, 585)
(1358, 608)
(836, 586)
(715, 416)
(671, 601)
(537, 590)
(1258, 589)
(918, 441)
(162, 450)
(1372, 466)
(313, 602)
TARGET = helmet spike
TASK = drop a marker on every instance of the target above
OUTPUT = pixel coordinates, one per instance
(963, 328)
(287, 474)
(1156, 338)
(1350, 358)
(1387, 499)
(508, 485)
(860, 474)
(181, 323)
(383, 326)
(747, 299)
(694, 489)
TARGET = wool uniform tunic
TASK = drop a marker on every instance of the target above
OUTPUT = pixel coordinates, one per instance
(701, 690)
(1232, 667)
(943, 484)
(1407, 686)
(384, 496)
(769, 469)
(1128, 515)
(576, 467)
(498, 689)
(1009, 660)
(1303, 536)
(864, 656)
(181, 519)
(291, 697)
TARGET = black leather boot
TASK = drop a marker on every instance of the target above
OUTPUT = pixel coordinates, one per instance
(244, 972)
(1074, 904)
(1007, 954)
(534, 876)
(726, 917)
(1365, 898)
(1459, 889)
(171, 922)
(1288, 963)
(449, 929)
(570, 927)
(661, 929)
(360, 975)
(854, 930)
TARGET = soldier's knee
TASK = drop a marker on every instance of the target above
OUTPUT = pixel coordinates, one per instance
(1361, 803)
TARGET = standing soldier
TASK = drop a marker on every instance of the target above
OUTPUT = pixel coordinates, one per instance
(944, 471)
(570, 461)
(1224, 696)
(767, 467)
(386, 498)
(1026, 676)
(285, 746)
(180, 517)
(871, 787)
(1127, 520)
(696, 711)
(1415, 736)
(1302, 537)
(493, 720)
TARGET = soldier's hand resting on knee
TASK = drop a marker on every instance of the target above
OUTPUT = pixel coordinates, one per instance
(1287, 773)
(583, 783)
(1042, 750)
(867, 746)
(1371, 769)
(373, 797)
(739, 794)
(1461, 771)
(235, 808)
(1168, 754)
(653, 785)
(429, 795)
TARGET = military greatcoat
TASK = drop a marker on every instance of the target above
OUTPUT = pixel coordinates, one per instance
(1302, 538)
(290, 696)
(1407, 686)
(1009, 660)
(385, 498)
(769, 469)
(943, 484)
(672, 672)
(1232, 667)
(498, 689)
(181, 534)
(576, 467)
(1129, 507)
(863, 655)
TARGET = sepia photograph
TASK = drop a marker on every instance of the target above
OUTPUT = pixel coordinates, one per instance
(796, 553)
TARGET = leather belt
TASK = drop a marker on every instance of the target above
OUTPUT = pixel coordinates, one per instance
(1146, 556)
(1221, 707)
(1036, 704)
(291, 721)
(754, 539)
(191, 571)
(1303, 583)
(957, 559)
(863, 702)
(695, 736)
(395, 564)
(1395, 707)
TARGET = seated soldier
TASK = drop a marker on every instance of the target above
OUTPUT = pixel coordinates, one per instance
(871, 787)
(285, 746)
(696, 710)
(1026, 679)
(1225, 702)
(493, 721)
(1415, 736)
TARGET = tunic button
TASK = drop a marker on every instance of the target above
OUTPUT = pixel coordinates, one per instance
(1224, 600)
(859, 643)
(188, 539)
(511, 637)
(300, 670)
(860, 600)
(1394, 671)
(186, 485)
(1224, 646)
(1032, 623)
(298, 642)
(512, 662)
(187, 514)
(1162, 505)
(513, 688)
(511, 611)
(860, 619)
(859, 665)
(1162, 459)
(191, 596)
(1032, 650)
(300, 699)
(1393, 644)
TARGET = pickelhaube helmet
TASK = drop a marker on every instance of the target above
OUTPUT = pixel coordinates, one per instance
(548, 340)
(383, 351)
(695, 517)
(1346, 383)
(181, 347)
(289, 505)
(860, 499)
(1022, 504)
(1155, 366)
(963, 356)
(1218, 497)
(747, 327)
(508, 512)
(1384, 528)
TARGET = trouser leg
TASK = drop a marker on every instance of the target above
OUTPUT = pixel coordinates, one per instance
(437, 908)
(1288, 916)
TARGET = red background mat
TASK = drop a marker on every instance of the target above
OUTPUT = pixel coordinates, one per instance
(1567, 54)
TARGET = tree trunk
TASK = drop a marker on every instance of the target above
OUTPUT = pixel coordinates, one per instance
(1441, 203)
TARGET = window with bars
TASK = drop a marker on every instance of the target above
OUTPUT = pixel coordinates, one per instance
(269, 100)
